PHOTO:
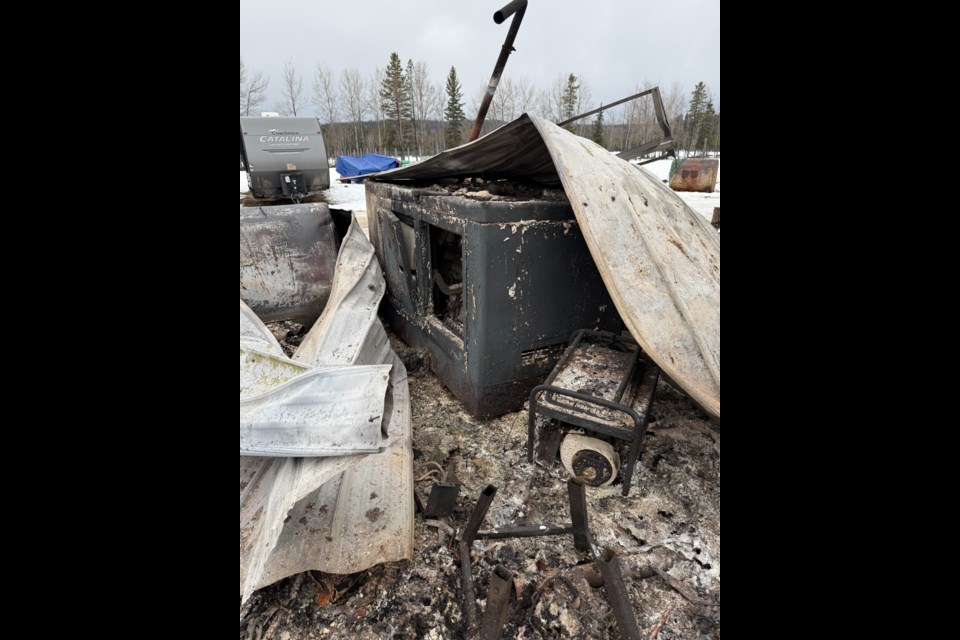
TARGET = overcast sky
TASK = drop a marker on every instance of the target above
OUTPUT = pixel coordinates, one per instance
(612, 44)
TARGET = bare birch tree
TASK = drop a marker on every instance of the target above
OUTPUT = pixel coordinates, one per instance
(422, 95)
(243, 81)
(526, 95)
(326, 102)
(291, 90)
(253, 89)
(375, 109)
(504, 104)
(354, 104)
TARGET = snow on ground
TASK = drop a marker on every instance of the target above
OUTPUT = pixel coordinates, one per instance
(346, 196)
(351, 196)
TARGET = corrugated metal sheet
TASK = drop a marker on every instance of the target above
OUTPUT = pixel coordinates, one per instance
(288, 408)
(316, 413)
(339, 514)
(659, 260)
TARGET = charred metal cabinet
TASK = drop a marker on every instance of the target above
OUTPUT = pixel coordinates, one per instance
(492, 290)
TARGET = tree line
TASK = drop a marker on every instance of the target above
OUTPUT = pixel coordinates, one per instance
(399, 111)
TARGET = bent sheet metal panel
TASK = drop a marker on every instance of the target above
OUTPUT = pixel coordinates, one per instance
(659, 259)
(287, 256)
(347, 513)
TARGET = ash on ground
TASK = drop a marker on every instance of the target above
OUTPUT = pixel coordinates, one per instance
(497, 190)
(288, 334)
(667, 531)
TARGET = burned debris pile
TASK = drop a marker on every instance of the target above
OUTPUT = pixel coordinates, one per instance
(547, 466)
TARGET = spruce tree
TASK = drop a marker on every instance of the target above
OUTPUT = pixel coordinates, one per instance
(707, 124)
(454, 111)
(696, 113)
(395, 103)
(597, 135)
(569, 100)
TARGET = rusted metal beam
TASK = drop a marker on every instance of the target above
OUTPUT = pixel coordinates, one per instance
(661, 116)
(608, 106)
(611, 569)
(516, 8)
(578, 514)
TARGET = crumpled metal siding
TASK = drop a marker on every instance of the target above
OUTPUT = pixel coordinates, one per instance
(659, 259)
(341, 514)
(317, 413)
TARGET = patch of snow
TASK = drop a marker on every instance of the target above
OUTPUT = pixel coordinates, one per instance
(345, 196)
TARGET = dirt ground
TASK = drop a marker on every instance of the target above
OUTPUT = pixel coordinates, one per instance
(667, 532)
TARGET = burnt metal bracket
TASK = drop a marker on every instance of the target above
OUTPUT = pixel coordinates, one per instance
(498, 595)
(466, 546)
(442, 501)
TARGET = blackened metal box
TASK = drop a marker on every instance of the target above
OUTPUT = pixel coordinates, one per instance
(492, 288)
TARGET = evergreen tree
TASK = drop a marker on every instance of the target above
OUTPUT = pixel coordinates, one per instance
(569, 101)
(598, 130)
(395, 103)
(696, 115)
(705, 135)
(454, 111)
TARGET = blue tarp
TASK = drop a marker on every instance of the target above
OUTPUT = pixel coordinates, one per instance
(369, 163)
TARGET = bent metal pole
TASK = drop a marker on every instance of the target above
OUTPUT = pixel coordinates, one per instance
(516, 8)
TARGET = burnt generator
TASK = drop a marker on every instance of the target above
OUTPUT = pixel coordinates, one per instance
(492, 289)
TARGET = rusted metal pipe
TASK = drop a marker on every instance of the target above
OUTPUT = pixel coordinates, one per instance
(509, 10)
(498, 604)
(516, 8)
(479, 513)
(542, 531)
(469, 593)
